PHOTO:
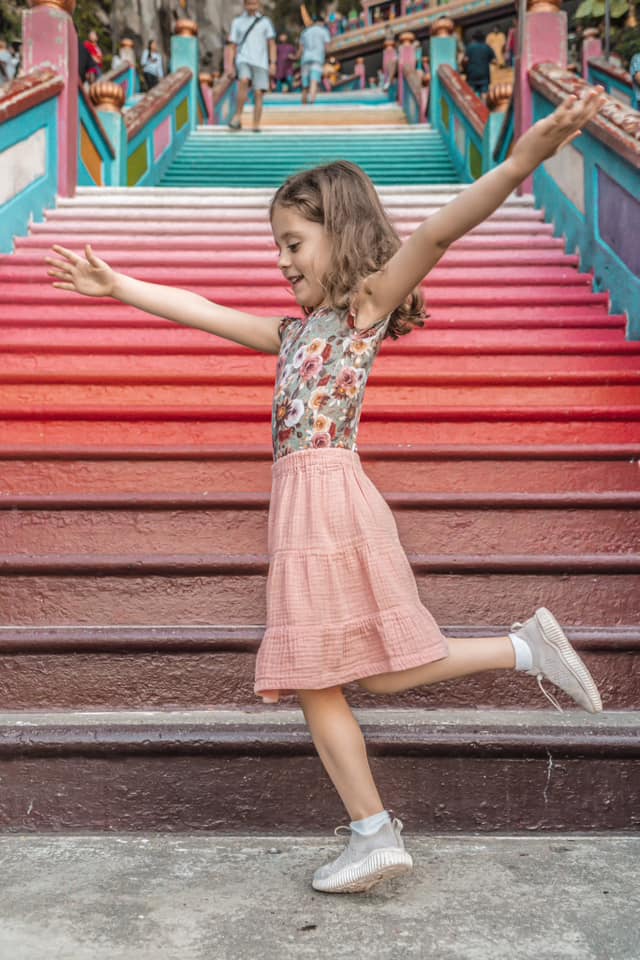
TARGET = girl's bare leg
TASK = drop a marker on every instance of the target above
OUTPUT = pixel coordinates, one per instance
(467, 655)
(338, 739)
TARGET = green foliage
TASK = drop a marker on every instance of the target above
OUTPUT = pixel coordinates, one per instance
(10, 18)
(595, 9)
(627, 42)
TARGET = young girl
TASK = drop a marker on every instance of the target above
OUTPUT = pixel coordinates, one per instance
(342, 602)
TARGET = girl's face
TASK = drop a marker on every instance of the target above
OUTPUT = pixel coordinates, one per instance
(304, 254)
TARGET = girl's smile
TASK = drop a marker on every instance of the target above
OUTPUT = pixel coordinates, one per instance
(304, 253)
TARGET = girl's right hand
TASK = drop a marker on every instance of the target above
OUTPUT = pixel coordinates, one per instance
(91, 276)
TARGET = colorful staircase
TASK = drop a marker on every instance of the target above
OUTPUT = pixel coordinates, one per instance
(135, 476)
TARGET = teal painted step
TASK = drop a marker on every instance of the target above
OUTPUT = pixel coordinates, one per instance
(366, 98)
(244, 159)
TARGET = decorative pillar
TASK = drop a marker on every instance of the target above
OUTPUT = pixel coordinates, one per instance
(185, 53)
(442, 49)
(406, 58)
(128, 53)
(498, 100)
(544, 33)
(108, 99)
(389, 57)
(591, 47)
(49, 37)
(361, 72)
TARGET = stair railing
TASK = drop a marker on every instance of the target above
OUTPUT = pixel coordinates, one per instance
(29, 148)
(591, 190)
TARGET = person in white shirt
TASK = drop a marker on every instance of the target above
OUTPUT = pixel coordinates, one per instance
(151, 63)
(312, 52)
(255, 57)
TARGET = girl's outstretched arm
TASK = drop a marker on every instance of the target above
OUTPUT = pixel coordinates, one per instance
(94, 277)
(385, 290)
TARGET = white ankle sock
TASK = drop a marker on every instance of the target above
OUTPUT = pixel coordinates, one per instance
(370, 824)
(524, 659)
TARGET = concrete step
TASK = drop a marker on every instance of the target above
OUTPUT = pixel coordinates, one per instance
(238, 771)
(198, 667)
(249, 895)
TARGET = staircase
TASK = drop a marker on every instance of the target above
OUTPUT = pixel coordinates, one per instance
(134, 485)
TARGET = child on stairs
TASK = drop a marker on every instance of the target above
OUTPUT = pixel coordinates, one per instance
(342, 602)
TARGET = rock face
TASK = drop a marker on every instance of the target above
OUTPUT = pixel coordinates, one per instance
(146, 19)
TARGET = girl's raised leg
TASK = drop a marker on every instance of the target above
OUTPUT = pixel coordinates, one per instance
(341, 746)
(467, 655)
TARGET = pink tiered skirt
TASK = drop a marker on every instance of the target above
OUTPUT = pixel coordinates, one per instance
(342, 600)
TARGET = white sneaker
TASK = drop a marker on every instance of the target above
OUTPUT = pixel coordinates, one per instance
(555, 659)
(365, 861)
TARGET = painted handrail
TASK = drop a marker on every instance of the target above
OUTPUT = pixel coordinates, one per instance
(96, 154)
(224, 99)
(156, 127)
(415, 95)
(126, 77)
(591, 190)
(463, 118)
(615, 80)
(28, 151)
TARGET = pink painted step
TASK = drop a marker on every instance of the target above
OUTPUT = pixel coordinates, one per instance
(472, 426)
(389, 368)
(211, 276)
(425, 342)
(482, 242)
(590, 313)
(278, 297)
(120, 258)
(446, 468)
(141, 396)
(232, 524)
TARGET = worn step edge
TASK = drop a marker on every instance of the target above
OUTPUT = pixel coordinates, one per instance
(246, 638)
(611, 499)
(141, 565)
(602, 451)
(105, 377)
(283, 732)
(260, 414)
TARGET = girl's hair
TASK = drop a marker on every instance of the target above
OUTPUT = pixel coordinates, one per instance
(342, 198)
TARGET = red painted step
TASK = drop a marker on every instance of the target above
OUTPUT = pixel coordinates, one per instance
(446, 468)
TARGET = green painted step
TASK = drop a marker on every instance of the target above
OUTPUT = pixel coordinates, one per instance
(245, 160)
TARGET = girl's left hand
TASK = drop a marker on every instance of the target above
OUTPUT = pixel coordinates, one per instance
(560, 128)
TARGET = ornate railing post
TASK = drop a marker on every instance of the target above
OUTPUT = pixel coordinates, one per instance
(442, 49)
(591, 47)
(49, 37)
(406, 58)
(498, 100)
(544, 34)
(108, 100)
(185, 53)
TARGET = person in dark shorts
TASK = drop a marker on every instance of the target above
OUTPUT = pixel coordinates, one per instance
(477, 64)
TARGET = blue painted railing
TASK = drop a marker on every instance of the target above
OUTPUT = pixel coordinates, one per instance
(462, 121)
(591, 191)
(28, 151)
(126, 77)
(415, 95)
(615, 80)
(96, 156)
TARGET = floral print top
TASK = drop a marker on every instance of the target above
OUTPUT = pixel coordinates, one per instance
(323, 368)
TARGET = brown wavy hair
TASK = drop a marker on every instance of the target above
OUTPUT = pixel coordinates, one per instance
(342, 198)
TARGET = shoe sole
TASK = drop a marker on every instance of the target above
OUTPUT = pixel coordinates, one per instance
(361, 877)
(554, 636)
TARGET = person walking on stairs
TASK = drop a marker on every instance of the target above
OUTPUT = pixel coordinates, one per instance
(255, 58)
(342, 601)
(312, 53)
